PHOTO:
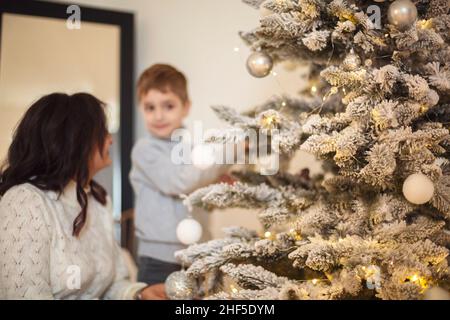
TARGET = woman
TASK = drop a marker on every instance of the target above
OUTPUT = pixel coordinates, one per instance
(56, 226)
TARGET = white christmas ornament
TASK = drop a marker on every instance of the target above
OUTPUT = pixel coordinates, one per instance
(203, 156)
(189, 231)
(418, 188)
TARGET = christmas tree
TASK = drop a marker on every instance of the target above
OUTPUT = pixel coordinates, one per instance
(375, 224)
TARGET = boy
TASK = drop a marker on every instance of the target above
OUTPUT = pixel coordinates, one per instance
(156, 180)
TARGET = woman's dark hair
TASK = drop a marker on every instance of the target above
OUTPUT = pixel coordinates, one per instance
(53, 145)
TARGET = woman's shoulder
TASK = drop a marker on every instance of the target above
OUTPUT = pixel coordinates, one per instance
(25, 205)
(26, 193)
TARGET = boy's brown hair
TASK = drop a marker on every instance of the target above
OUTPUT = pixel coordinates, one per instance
(163, 77)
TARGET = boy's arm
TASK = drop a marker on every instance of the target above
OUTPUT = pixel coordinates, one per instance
(153, 166)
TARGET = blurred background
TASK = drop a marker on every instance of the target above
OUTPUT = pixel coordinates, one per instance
(199, 37)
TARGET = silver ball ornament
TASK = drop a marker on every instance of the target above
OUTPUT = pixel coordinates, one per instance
(259, 64)
(179, 286)
(402, 14)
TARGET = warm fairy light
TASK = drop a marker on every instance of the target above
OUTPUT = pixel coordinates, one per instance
(236, 49)
(343, 90)
(274, 73)
(423, 109)
(268, 121)
(295, 234)
(425, 24)
(283, 104)
(233, 289)
(267, 234)
(314, 281)
(313, 89)
(417, 279)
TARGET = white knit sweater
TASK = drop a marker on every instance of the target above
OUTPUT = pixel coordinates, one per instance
(41, 259)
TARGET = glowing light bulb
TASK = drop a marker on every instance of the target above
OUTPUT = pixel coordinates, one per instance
(233, 289)
(267, 234)
(314, 281)
(425, 24)
(236, 49)
(313, 89)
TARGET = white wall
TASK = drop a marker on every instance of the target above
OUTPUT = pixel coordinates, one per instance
(199, 37)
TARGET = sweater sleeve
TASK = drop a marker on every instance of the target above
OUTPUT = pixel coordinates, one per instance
(25, 241)
(151, 165)
(122, 288)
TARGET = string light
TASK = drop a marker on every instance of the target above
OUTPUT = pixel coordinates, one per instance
(313, 89)
(425, 24)
(418, 280)
(234, 289)
(267, 234)
(423, 109)
(295, 234)
(332, 91)
(274, 73)
(314, 281)
(236, 49)
(283, 104)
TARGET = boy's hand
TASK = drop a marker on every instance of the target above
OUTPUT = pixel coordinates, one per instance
(154, 292)
(226, 178)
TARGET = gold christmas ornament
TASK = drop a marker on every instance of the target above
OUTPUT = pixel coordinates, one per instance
(259, 64)
(352, 61)
(402, 14)
(179, 286)
(418, 188)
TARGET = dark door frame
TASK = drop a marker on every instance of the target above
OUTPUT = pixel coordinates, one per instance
(125, 21)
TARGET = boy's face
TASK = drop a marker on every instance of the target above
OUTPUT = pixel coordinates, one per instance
(163, 112)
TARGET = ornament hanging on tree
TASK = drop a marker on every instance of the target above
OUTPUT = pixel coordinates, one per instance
(189, 231)
(418, 188)
(402, 14)
(352, 61)
(259, 64)
(179, 286)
